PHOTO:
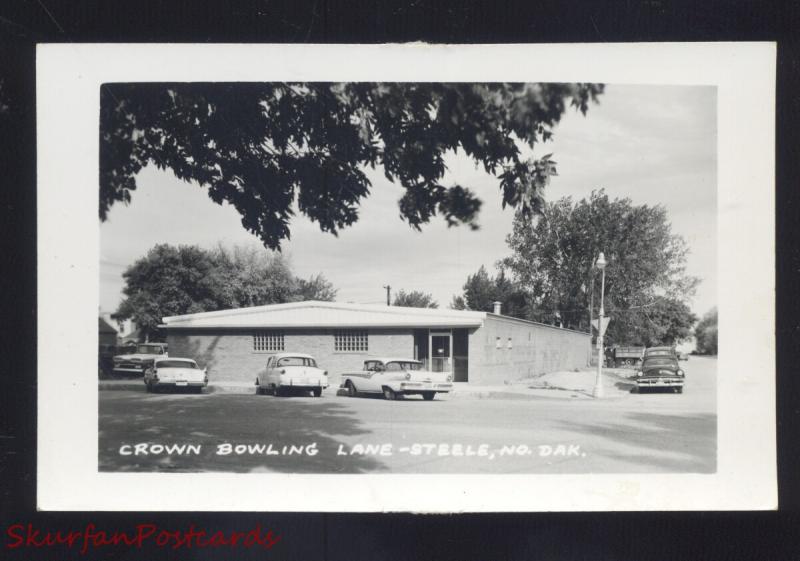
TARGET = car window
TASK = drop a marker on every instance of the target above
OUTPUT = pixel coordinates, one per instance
(177, 364)
(150, 349)
(296, 361)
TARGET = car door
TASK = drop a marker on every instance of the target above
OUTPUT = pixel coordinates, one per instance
(369, 372)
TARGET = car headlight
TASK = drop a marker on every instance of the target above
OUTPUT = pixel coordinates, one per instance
(449, 378)
(408, 375)
(680, 372)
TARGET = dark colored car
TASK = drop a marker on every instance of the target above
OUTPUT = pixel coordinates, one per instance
(660, 369)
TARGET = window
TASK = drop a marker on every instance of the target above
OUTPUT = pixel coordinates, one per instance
(350, 341)
(268, 341)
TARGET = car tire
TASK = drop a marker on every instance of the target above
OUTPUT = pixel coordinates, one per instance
(428, 396)
(389, 393)
(351, 389)
(316, 392)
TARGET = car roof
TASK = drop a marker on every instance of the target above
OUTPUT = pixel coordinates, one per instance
(166, 358)
(392, 359)
(296, 355)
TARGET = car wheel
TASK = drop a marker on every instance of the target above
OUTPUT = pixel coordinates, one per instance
(389, 393)
(316, 392)
(428, 396)
(351, 389)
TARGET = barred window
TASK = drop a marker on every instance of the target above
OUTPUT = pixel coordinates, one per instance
(350, 341)
(268, 341)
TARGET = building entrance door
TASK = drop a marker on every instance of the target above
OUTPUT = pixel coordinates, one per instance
(440, 349)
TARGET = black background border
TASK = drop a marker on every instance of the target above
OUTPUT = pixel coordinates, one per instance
(557, 536)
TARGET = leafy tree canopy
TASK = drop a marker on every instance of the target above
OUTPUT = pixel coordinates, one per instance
(482, 290)
(705, 333)
(414, 299)
(173, 280)
(554, 279)
(266, 147)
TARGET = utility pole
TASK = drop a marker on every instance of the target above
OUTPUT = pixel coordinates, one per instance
(388, 295)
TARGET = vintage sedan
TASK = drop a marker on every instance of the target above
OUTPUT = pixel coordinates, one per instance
(660, 370)
(292, 372)
(175, 373)
(396, 378)
(138, 361)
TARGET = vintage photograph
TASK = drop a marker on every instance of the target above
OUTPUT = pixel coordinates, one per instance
(408, 278)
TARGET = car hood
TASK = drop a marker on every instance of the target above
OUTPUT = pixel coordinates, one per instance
(136, 356)
(659, 369)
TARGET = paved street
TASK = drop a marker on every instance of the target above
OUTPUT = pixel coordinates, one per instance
(644, 433)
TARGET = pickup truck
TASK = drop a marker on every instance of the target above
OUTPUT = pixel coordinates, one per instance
(139, 361)
(396, 378)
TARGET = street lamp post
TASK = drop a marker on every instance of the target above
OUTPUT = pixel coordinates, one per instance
(598, 383)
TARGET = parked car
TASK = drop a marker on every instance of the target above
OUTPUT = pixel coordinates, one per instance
(137, 362)
(660, 369)
(395, 378)
(287, 372)
(174, 373)
(627, 357)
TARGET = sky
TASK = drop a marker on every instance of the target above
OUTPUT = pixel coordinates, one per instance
(652, 144)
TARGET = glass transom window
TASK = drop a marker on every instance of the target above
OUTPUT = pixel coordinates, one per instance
(264, 341)
(350, 341)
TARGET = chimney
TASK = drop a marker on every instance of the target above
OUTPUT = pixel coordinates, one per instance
(498, 306)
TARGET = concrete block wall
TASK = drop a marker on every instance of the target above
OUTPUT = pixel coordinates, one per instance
(535, 349)
(229, 354)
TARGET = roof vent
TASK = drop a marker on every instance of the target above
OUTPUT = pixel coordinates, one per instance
(498, 306)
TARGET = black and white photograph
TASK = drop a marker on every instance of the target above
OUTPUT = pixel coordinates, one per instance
(514, 277)
(290, 272)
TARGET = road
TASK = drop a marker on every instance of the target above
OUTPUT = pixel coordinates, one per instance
(635, 433)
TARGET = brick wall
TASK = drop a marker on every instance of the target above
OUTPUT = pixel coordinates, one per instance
(535, 349)
(229, 354)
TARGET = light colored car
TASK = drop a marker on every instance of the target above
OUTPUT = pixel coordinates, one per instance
(175, 373)
(396, 378)
(138, 361)
(288, 372)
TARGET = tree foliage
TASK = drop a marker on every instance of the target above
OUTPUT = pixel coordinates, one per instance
(646, 286)
(179, 280)
(705, 334)
(482, 290)
(414, 299)
(266, 147)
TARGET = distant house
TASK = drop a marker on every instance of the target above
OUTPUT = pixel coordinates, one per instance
(107, 334)
(476, 347)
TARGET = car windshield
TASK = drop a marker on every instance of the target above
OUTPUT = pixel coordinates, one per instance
(297, 361)
(150, 349)
(650, 362)
(397, 366)
(176, 364)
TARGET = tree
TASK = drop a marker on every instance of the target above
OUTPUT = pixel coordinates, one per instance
(170, 281)
(705, 333)
(188, 279)
(414, 299)
(481, 291)
(553, 260)
(263, 147)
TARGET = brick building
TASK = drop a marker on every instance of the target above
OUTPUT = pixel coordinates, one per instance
(477, 347)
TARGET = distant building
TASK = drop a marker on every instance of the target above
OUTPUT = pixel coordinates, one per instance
(107, 334)
(477, 347)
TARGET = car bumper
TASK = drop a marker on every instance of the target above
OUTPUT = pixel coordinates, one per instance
(303, 383)
(413, 387)
(659, 382)
(178, 384)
